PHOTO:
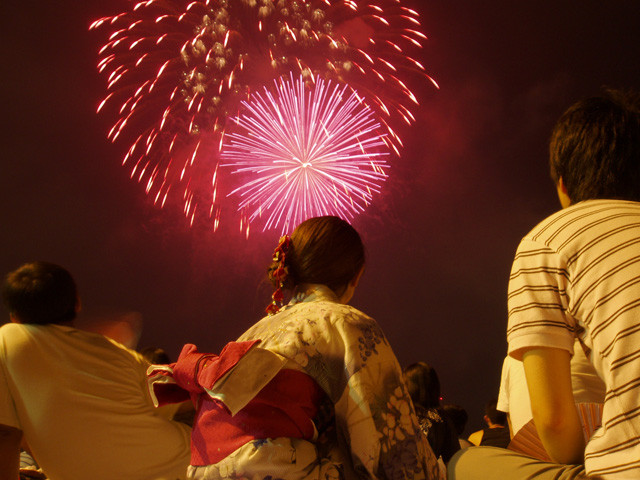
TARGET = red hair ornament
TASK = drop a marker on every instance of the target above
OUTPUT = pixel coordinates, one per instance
(279, 274)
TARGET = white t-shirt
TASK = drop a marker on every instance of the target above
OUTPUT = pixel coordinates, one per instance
(577, 275)
(514, 394)
(83, 405)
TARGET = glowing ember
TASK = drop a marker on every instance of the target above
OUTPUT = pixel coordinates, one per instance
(307, 152)
(177, 70)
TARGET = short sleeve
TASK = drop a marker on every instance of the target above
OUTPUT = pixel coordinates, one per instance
(8, 415)
(538, 301)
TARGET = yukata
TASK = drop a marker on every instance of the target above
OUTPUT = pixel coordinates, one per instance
(313, 392)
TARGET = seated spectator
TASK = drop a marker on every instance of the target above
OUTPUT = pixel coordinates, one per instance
(79, 399)
(423, 385)
(496, 433)
(311, 391)
(459, 418)
(575, 276)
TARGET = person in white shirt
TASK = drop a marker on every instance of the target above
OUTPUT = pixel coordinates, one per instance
(79, 399)
(513, 398)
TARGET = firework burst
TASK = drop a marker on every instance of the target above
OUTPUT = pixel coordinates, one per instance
(178, 71)
(305, 152)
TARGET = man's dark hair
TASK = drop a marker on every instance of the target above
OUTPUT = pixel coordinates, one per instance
(595, 148)
(40, 293)
(495, 415)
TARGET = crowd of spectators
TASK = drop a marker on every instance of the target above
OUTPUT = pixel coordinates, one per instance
(314, 390)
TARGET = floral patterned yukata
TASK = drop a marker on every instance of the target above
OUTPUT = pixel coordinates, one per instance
(364, 425)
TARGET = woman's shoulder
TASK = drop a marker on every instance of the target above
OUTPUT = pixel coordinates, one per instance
(321, 312)
(340, 317)
(341, 311)
(316, 319)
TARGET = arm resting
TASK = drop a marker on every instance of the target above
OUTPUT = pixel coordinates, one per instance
(548, 375)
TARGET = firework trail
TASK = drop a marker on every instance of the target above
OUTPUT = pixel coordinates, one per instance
(178, 71)
(309, 152)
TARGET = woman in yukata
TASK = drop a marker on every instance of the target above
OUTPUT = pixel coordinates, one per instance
(311, 391)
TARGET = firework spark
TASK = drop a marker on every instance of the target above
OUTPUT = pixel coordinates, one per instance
(177, 71)
(308, 152)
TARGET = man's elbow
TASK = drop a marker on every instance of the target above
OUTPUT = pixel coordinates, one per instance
(562, 437)
(551, 421)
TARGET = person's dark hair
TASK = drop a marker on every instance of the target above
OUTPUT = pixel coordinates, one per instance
(458, 416)
(423, 384)
(155, 355)
(595, 148)
(495, 415)
(40, 293)
(325, 250)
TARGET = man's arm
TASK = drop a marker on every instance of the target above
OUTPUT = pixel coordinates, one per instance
(548, 375)
(9, 452)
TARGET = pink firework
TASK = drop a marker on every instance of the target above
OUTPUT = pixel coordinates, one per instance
(177, 71)
(305, 151)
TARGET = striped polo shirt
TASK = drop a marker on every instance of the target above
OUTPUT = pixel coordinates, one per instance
(577, 274)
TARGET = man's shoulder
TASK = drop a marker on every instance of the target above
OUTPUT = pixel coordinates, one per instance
(63, 338)
(11, 333)
(576, 219)
(9, 328)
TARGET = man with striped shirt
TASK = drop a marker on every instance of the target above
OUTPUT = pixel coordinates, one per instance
(577, 275)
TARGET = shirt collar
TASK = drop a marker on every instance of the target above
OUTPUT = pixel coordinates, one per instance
(314, 293)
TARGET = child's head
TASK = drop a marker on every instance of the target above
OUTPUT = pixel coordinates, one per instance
(493, 416)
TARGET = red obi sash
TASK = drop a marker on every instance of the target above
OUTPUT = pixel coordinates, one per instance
(285, 407)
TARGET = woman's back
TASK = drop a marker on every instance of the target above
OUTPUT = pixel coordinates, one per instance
(363, 422)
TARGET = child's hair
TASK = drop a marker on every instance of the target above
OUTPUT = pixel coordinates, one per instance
(324, 250)
(496, 416)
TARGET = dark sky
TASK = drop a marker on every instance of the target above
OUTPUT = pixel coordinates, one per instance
(471, 182)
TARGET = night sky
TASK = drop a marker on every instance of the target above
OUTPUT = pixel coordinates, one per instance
(472, 180)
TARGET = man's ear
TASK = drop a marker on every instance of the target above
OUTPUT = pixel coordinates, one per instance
(563, 195)
(561, 186)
